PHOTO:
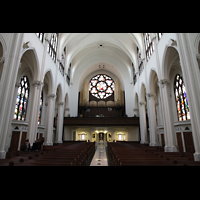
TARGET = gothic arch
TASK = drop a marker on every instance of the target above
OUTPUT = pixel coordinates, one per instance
(153, 79)
(60, 95)
(142, 93)
(29, 55)
(48, 81)
(170, 57)
(4, 47)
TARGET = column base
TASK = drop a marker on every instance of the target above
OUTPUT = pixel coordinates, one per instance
(171, 149)
(2, 154)
(153, 144)
(143, 142)
(48, 144)
(196, 156)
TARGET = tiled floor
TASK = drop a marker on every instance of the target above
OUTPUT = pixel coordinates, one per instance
(100, 157)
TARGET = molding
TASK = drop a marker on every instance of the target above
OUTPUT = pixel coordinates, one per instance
(142, 103)
(149, 95)
(2, 59)
(52, 96)
(60, 103)
(163, 82)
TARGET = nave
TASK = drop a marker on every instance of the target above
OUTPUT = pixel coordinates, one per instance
(100, 157)
(74, 153)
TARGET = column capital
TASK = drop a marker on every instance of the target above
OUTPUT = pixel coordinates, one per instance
(37, 84)
(52, 96)
(163, 82)
(142, 103)
(150, 95)
(60, 103)
(2, 59)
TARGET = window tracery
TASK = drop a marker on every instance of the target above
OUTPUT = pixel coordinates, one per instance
(52, 46)
(22, 99)
(101, 86)
(149, 45)
(181, 99)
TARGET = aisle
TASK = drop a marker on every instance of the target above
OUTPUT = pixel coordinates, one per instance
(100, 157)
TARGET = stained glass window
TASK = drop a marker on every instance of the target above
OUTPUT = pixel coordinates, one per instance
(52, 46)
(68, 74)
(62, 62)
(134, 75)
(140, 62)
(101, 86)
(181, 99)
(40, 36)
(159, 35)
(40, 109)
(149, 45)
(22, 99)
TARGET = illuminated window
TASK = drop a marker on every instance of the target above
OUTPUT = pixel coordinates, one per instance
(40, 36)
(159, 35)
(83, 136)
(149, 45)
(181, 99)
(101, 86)
(40, 109)
(52, 46)
(22, 99)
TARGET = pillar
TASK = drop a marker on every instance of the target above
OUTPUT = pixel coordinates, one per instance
(60, 122)
(190, 71)
(152, 120)
(50, 118)
(33, 121)
(143, 123)
(169, 133)
(7, 87)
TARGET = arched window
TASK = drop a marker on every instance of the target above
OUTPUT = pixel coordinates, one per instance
(22, 99)
(149, 45)
(140, 62)
(68, 74)
(101, 86)
(52, 46)
(181, 99)
(62, 62)
(134, 75)
(40, 36)
(40, 109)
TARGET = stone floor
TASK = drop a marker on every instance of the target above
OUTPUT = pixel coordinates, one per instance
(100, 157)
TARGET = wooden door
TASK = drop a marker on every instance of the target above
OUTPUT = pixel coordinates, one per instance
(189, 145)
(14, 141)
(179, 140)
(162, 140)
(23, 139)
(101, 136)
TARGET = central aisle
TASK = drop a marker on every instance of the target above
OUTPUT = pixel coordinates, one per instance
(100, 157)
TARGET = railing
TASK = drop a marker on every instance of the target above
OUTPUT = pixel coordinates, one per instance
(101, 121)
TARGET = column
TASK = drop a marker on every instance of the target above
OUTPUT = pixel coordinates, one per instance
(59, 130)
(33, 120)
(143, 123)
(7, 87)
(190, 71)
(152, 120)
(50, 118)
(169, 133)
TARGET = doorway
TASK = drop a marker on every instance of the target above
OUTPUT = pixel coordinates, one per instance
(101, 136)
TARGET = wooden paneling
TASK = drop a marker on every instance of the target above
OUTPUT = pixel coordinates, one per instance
(189, 145)
(162, 140)
(23, 139)
(179, 140)
(101, 121)
(14, 141)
